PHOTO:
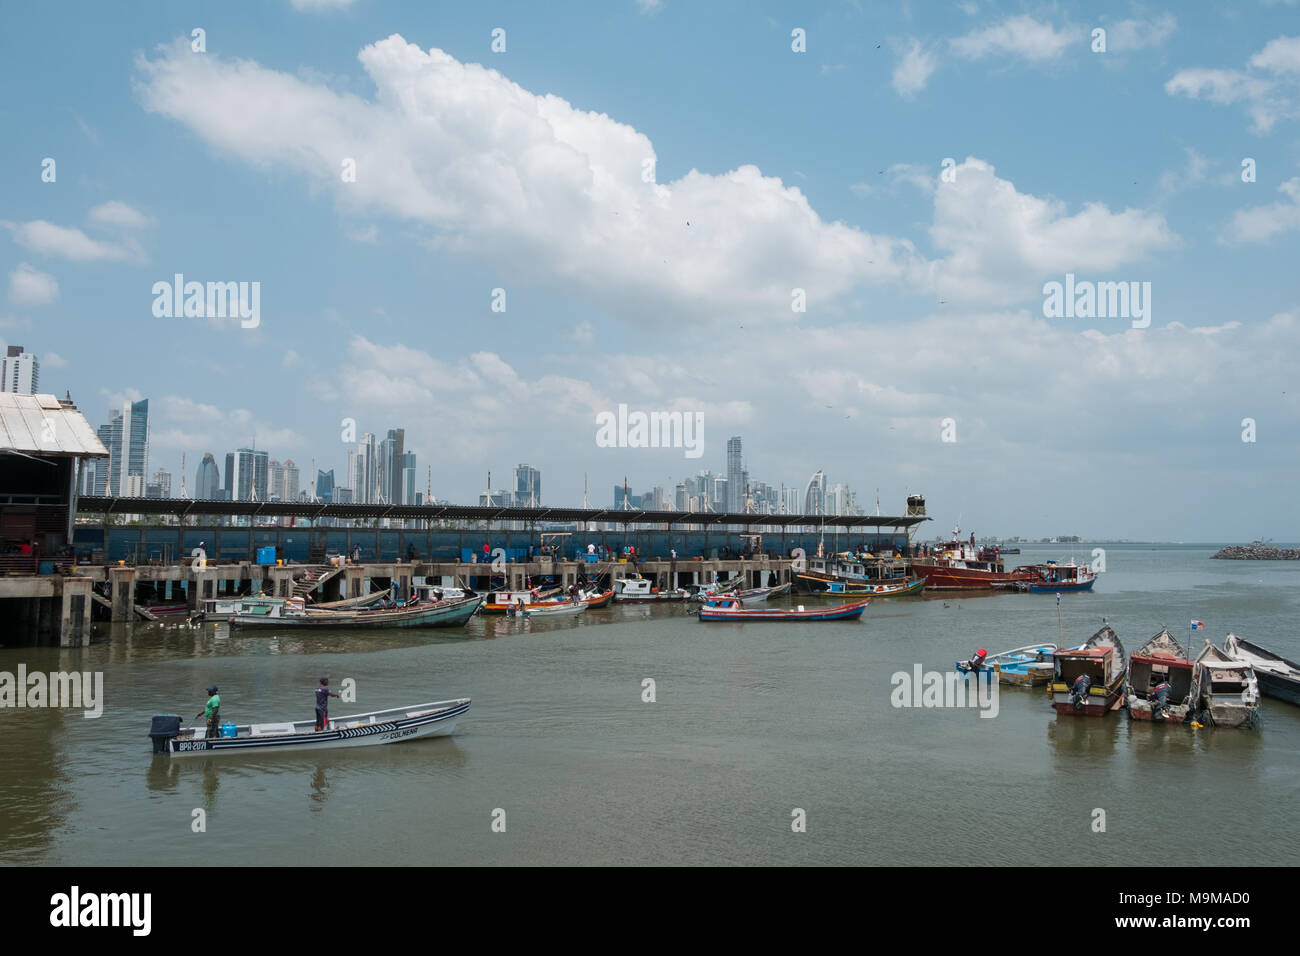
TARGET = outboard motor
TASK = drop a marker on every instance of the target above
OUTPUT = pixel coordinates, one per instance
(1079, 691)
(977, 662)
(1160, 699)
(163, 729)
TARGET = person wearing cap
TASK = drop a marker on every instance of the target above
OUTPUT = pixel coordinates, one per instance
(323, 695)
(213, 712)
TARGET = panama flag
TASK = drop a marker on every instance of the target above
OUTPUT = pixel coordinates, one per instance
(1197, 625)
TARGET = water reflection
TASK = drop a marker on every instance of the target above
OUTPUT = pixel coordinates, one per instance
(1092, 738)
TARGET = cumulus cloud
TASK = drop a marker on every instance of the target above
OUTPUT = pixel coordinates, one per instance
(1269, 87)
(53, 360)
(68, 242)
(1021, 36)
(913, 70)
(117, 213)
(1124, 36)
(1261, 223)
(317, 6)
(30, 286)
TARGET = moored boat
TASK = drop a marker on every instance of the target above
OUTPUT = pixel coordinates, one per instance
(549, 609)
(499, 602)
(290, 613)
(1227, 689)
(1160, 684)
(1089, 680)
(879, 590)
(434, 719)
(1277, 676)
(1026, 666)
(961, 566)
(1052, 577)
(733, 609)
(643, 589)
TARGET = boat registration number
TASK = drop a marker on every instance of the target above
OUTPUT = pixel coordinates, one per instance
(186, 745)
(401, 733)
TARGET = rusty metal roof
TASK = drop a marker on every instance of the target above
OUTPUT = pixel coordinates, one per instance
(42, 425)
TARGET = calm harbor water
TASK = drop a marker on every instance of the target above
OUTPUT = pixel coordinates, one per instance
(751, 721)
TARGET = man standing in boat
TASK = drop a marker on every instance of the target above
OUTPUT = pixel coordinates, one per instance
(212, 712)
(323, 695)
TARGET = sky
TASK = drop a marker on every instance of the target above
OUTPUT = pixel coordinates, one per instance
(830, 229)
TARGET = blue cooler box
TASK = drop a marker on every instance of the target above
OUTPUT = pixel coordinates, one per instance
(266, 555)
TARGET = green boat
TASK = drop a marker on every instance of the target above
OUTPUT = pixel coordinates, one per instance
(284, 613)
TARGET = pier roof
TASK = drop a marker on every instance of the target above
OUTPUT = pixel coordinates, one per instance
(44, 426)
(313, 510)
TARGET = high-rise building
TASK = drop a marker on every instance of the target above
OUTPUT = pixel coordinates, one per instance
(22, 372)
(389, 487)
(247, 475)
(207, 481)
(275, 480)
(160, 485)
(735, 501)
(814, 496)
(325, 486)
(528, 486)
(289, 481)
(365, 478)
(409, 494)
(126, 436)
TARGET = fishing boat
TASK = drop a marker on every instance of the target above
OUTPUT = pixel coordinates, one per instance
(291, 613)
(751, 595)
(643, 589)
(1026, 666)
(1227, 689)
(1277, 676)
(435, 719)
(886, 589)
(1089, 680)
(549, 609)
(595, 599)
(733, 609)
(499, 602)
(961, 566)
(849, 568)
(1160, 685)
(1053, 578)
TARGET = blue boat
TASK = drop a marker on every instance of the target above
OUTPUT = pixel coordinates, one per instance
(1025, 666)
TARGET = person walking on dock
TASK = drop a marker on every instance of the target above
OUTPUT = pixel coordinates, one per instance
(212, 712)
(323, 695)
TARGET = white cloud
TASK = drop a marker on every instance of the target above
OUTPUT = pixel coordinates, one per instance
(913, 70)
(316, 6)
(53, 360)
(552, 193)
(1261, 223)
(649, 7)
(67, 242)
(1001, 242)
(117, 213)
(370, 234)
(1124, 36)
(30, 286)
(291, 359)
(1271, 93)
(182, 424)
(1021, 36)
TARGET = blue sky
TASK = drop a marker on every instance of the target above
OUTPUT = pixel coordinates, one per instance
(819, 170)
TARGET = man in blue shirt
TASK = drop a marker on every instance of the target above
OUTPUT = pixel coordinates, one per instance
(323, 695)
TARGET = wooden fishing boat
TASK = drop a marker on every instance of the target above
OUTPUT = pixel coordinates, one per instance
(1027, 666)
(849, 568)
(1277, 676)
(749, 595)
(732, 609)
(1089, 680)
(289, 613)
(885, 589)
(549, 609)
(435, 719)
(1160, 683)
(961, 566)
(595, 599)
(361, 600)
(499, 602)
(1052, 578)
(1227, 690)
(643, 589)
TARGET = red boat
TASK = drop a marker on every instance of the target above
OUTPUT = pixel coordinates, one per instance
(1088, 681)
(961, 566)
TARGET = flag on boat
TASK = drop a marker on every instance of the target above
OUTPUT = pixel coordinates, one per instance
(1197, 625)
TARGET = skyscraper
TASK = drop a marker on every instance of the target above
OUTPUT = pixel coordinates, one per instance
(325, 486)
(247, 475)
(392, 450)
(22, 372)
(735, 500)
(528, 486)
(289, 481)
(275, 480)
(814, 496)
(207, 481)
(126, 436)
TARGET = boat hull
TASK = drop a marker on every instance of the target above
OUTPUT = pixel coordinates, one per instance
(1273, 685)
(453, 615)
(1139, 708)
(843, 590)
(438, 722)
(1100, 702)
(1061, 586)
(842, 613)
(940, 578)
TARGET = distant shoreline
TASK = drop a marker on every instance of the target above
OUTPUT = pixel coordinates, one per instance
(1258, 552)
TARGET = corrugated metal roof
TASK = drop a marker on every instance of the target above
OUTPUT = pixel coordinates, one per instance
(43, 425)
